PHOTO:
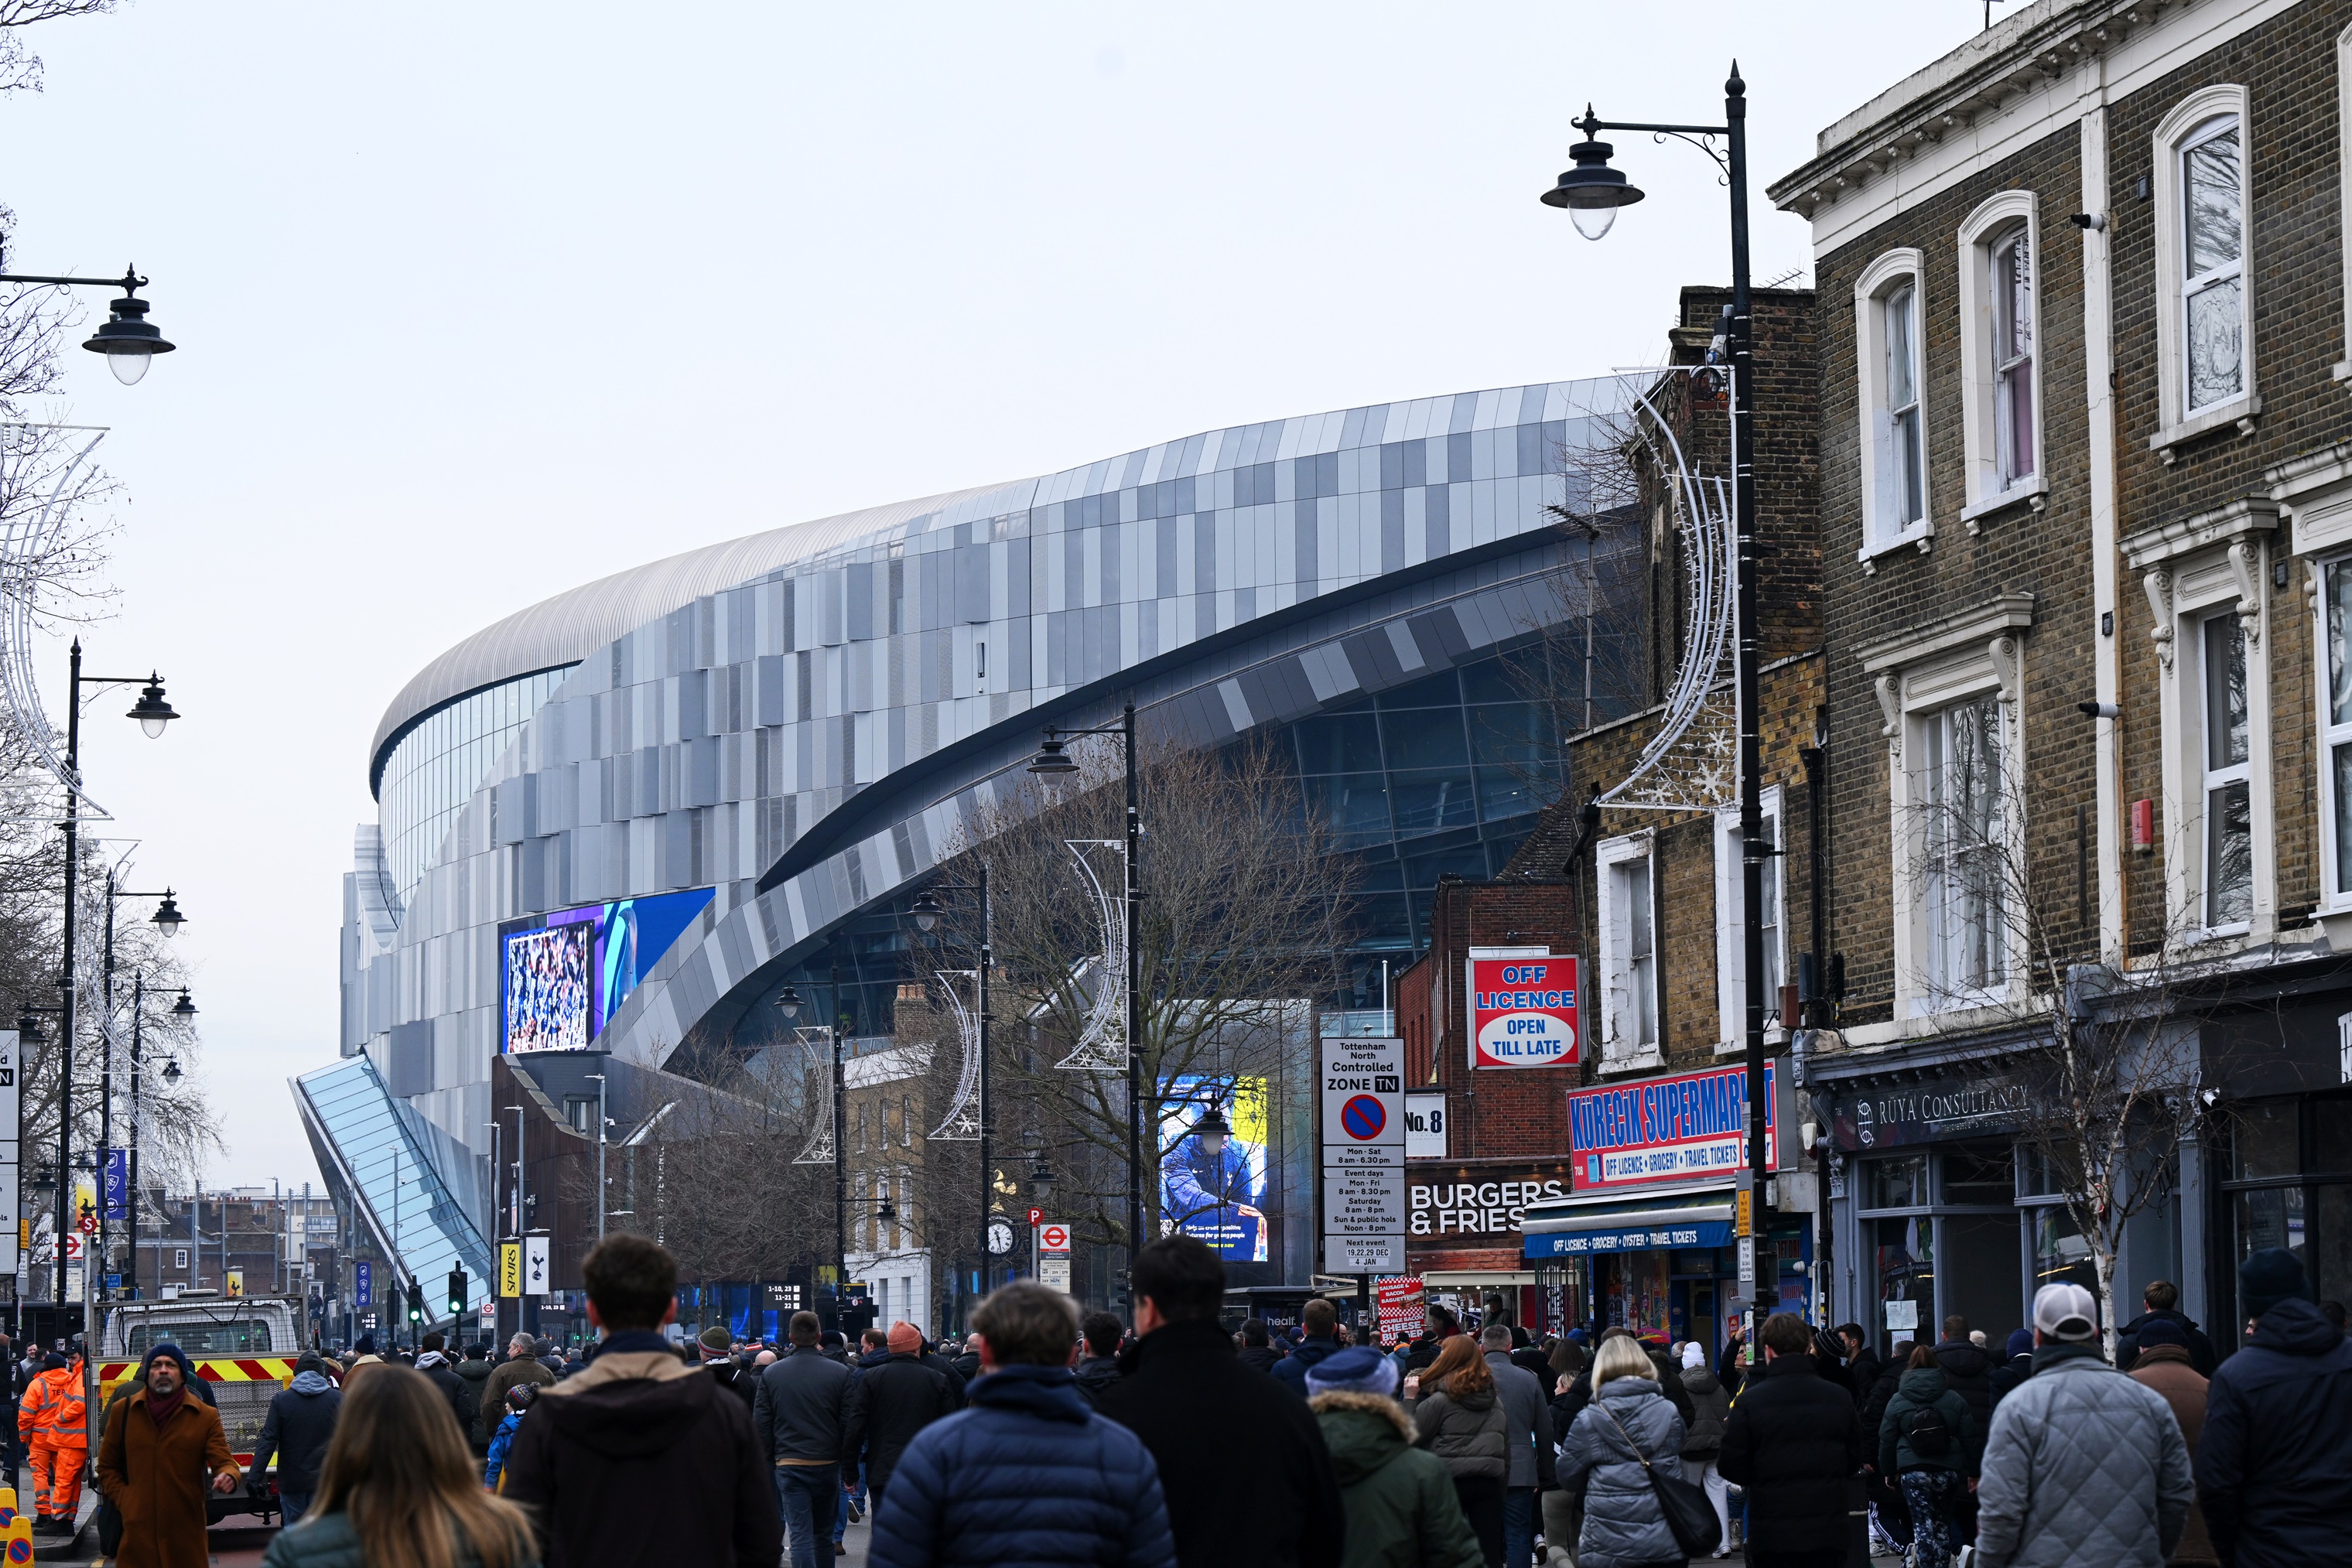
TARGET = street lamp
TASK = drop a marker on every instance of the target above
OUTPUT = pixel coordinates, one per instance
(788, 1002)
(1212, 1130)
(1041, 1180)
(1592, 191)
(167, 917)
(153, 714)
(928, 912)
(1053, 760)
(128, 340)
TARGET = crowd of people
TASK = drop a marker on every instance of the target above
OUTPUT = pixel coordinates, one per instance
(1047, 1437)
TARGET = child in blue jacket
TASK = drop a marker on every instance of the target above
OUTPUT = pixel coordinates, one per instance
(519, 1400)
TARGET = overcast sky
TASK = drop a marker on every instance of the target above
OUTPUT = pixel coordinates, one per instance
(476, 302)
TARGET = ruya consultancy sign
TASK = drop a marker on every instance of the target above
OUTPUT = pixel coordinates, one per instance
(1929, 1113)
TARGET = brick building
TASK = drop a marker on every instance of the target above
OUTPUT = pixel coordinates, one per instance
(2082, 332)
(1639, 888)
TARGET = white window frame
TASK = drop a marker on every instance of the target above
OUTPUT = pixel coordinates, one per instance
(2190, 569)
(2191, 119)
(1730, 938)
(2212, 779)
(2335, 892)
(1987, 227)
(1880, 534)
(1916, 675)
(1619, 1048)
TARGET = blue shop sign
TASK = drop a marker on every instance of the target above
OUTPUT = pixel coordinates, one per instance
(1634, 1238)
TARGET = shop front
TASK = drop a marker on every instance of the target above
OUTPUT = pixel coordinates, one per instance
(1463, 1236)
(1646, 1237)
(1942, 1210)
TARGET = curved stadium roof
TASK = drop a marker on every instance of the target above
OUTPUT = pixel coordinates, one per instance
(568, 627)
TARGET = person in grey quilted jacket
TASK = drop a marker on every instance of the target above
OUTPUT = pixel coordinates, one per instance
(2081, 1465)
(1623, 1523)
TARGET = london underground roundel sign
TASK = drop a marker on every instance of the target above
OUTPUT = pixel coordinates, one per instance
(1523, 1011)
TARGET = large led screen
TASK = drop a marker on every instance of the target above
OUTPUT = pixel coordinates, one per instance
(1216, 1199)
(564, 975)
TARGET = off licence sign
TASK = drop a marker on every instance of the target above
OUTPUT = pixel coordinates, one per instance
(1523, 1012)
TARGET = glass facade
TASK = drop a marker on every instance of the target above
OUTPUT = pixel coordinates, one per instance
(2289, 1184)
(367, 1144)
(435, 768)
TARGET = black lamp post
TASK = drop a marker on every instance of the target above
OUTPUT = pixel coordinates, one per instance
(1592, 193)
(128, 340)
(153, 715)
(928, 912)
(1053, 760)
(788, 1002)
(168, 920)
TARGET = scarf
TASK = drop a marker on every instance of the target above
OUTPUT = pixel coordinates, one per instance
(163, 1408)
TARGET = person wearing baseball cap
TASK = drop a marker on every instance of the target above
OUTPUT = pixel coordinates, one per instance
(2081, 1464)
(2275, 1462)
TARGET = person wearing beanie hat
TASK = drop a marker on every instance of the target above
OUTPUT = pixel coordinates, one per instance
(716, 1348)
(2081, 1464)
(898, 1398)
(158, 1453)
(1399, 1497)
(2016, 1367)
(520, 1398)
(2274, 1460)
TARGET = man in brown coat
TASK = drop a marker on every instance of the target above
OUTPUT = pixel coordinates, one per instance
(521, 1365)
(2166, 1365)
(158, 1447)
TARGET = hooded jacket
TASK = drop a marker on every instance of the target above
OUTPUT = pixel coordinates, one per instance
(476, 1371)
(1312, 1351)
(1967, 1371)
(1623, 1523)
(300, 1421)
(1470, 1432)
(2081, 1465)
(1925, 1388)
(1094, 1374)
(1242, 1463)
(639, 1422)
(1401, 1508)
(1710, 1407)
(1024, 1474)
(460, 1393)
(2274, 1462)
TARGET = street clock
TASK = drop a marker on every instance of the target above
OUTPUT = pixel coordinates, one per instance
(999, 1238)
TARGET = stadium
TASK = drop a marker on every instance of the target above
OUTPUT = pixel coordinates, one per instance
(630, 814)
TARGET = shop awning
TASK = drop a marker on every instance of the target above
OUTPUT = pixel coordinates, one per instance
(1617, 1223)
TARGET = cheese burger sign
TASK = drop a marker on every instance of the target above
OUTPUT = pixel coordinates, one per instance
(1523, 1012)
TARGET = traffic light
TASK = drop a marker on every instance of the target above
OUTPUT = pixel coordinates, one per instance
(415, 1302)
(456, 1292)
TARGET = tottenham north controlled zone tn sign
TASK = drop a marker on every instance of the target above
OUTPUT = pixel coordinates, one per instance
(1523, 1012)
(1363, 1156)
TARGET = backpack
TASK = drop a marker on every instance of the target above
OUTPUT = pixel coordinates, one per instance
(1925, 1428)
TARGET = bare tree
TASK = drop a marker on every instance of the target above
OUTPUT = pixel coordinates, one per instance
(2103, 1103)
(1244, 911)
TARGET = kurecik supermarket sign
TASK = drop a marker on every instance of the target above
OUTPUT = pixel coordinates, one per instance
(1689, 1127)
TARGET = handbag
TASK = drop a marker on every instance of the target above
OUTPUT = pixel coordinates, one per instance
(1688, 1514)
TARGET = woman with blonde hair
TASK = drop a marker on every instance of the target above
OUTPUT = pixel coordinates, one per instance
(1460, 1418)
(1627, 1423)
(398, 1489)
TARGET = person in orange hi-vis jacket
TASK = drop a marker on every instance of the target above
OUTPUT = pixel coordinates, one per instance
(51, 1418)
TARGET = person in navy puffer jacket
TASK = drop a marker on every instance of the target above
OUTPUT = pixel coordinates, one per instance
(1320, 1318)
(1026, 1472)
